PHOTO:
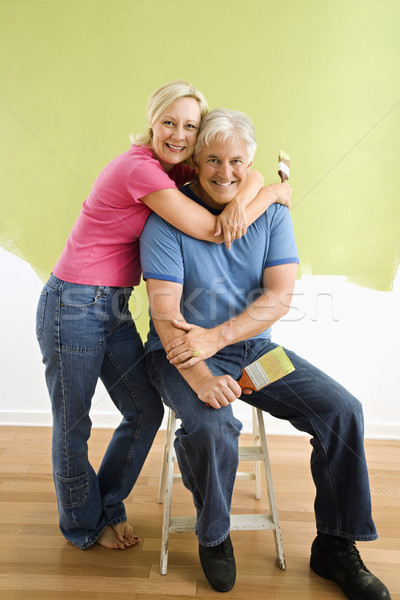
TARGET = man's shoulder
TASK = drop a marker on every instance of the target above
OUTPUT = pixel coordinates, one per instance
(155, 222)
(277, 210)
(277, 215)
(160, 233)
(269, 217)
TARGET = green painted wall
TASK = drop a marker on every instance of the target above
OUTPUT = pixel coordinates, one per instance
(318, 78)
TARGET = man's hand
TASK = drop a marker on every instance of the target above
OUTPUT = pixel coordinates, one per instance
(218, 391)
(198, 344)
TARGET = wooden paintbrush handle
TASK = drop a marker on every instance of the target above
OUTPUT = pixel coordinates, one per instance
(283, 176)
(245, 382)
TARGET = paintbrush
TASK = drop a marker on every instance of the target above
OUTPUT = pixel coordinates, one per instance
(273, 365)
(283, 166)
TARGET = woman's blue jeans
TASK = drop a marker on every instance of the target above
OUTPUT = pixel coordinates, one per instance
(207, 441)
(86, 332)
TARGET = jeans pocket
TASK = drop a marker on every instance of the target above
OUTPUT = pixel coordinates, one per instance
(82, 318)
(40, 313)
(77, 295)
(72, 491)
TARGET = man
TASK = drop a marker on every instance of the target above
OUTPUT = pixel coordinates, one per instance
(228, 300)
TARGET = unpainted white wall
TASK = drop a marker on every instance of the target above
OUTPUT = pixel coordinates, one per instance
(350, 332)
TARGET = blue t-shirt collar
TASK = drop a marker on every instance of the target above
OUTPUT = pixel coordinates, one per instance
(187, 190)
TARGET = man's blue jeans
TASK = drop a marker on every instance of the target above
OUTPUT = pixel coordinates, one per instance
(86, 332)
(207, 441)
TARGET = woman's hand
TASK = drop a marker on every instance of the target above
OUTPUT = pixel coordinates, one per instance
(280, 193)
(232, 222)
(198, 344)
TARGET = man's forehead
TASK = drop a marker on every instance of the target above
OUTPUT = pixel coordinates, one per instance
(234, 149)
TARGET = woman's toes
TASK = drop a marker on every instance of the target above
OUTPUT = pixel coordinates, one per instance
(108, 539)
(124, 532)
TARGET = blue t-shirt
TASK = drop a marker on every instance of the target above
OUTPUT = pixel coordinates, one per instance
(217, 283)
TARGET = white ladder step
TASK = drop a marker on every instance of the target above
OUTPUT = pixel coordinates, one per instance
(242, 475)
(245, 453)
(251, 453)
(247, 475)
(238, 523)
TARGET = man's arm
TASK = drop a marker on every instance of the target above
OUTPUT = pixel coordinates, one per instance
(272, 305)
(164, 300)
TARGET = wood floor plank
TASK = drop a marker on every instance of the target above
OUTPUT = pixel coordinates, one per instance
(90, 584)
(36, 562)
(64, 595)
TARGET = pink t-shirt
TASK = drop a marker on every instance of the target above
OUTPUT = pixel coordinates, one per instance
(103, 246)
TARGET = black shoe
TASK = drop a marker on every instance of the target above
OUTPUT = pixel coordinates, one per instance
(338, 559)
(219, 565)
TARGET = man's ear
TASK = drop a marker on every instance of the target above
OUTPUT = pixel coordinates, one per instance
(195, 166)
(249, 165)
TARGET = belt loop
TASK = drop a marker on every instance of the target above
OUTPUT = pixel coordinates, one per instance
(99, 291)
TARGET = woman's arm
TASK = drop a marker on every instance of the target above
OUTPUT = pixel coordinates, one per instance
(196, 221)
(184, 214)
(231, 224)
(280, 193)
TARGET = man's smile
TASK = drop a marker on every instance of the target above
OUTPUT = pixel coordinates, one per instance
(223, 183)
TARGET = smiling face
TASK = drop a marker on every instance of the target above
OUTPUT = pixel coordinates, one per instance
(175, 132)
(223, 168)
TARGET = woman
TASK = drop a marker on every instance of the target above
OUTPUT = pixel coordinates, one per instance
(84, 326)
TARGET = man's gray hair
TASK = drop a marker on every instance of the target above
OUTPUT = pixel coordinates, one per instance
(226, 125)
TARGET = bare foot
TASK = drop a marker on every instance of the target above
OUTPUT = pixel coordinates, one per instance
(124, 533)
(108, 539)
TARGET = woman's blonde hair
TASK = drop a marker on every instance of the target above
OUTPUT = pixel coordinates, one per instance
(161, 98)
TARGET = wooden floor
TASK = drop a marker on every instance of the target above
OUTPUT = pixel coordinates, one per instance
(37, 563)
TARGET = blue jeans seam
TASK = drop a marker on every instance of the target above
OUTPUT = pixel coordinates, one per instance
(62, 383)
(92, 540)
(217, 542)
(328, 474)
(353, 538)
(140, 415)
(117, 521)
(193, 470)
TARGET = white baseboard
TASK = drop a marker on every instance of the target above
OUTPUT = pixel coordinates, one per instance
(383, 431)
(25, 419)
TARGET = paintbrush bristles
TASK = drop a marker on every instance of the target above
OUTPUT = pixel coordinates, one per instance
(284, 156)
(276, 363)
(268, 368)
